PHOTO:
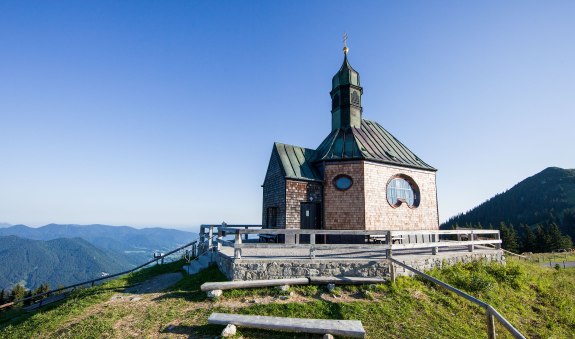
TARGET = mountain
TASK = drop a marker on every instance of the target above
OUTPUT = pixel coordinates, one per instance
(56, 262)
(136, 245)
(543, 200)
(3, 224)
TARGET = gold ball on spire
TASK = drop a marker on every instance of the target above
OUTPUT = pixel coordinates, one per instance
(345, 49)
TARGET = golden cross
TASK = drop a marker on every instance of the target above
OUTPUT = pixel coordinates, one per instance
(344, 39)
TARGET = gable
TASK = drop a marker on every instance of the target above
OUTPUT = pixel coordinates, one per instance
(296, 162)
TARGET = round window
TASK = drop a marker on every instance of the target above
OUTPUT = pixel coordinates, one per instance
(342, 182)
(402, 189)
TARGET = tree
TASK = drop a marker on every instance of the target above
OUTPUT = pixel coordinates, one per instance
(529, 241)
(509, 238)
(18, 292)
(2, 297)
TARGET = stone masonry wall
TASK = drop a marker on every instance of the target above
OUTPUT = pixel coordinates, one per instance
(296, 193)
(379, 214)
(260, 269)
(274, 189)
(344, 210)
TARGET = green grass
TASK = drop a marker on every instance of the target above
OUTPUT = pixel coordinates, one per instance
(537, 300)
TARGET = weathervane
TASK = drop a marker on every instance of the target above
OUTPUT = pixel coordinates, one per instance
(345, 49)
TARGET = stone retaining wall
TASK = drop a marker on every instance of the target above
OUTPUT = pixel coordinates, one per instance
(258, 269)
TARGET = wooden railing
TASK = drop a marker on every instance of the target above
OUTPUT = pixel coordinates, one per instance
(198, 248)
(492, 313)
(388, 241)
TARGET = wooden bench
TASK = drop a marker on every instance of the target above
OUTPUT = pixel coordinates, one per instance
(348, 328)
(229, 285)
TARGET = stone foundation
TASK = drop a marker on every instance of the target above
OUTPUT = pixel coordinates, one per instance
(259, 269)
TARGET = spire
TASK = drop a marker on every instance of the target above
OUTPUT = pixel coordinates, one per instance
(346, 95)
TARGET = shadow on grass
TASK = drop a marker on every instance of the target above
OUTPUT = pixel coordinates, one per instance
(200, 331)
(188, 288)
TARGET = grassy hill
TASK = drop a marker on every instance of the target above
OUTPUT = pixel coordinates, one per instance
(537, 300)
(56, 262)
(545, 199)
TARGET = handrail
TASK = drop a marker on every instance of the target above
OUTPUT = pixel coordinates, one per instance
(488, 308)
(3, 306)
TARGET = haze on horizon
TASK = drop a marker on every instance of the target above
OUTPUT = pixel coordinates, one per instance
(149, 113)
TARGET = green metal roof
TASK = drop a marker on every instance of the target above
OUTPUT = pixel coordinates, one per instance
(296, 162)
(369, 142)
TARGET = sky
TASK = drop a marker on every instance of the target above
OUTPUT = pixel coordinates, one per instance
(164, 113)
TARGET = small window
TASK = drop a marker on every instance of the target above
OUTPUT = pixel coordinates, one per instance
(342, 182)
(272, 217)
(355, 98)
(402, 189)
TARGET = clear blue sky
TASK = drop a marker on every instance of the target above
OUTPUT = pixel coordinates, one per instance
(150, 113)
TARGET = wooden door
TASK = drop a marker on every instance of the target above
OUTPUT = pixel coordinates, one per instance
(310, 219)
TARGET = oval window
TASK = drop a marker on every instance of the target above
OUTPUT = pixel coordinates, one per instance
(402, 189)
(342, 182)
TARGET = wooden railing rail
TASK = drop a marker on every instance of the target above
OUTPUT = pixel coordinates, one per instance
(388, 240)
(195, 248)
(491, 312)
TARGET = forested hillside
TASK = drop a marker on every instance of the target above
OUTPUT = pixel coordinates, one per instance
(56, 262)
(135, 245)
(537, 214)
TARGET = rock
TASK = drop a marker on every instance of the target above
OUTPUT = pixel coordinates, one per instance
(330, 287)
(328, 336)
(255, 301)
(229, 331)
(214, 294)
(283, 288)
(135, 299)
(284, 297)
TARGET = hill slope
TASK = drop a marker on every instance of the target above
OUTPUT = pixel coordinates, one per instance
(546, 198)
(136, 245)
(536, 300)
(58, 261)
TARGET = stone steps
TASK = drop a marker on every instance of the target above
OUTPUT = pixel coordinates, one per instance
(199, 264)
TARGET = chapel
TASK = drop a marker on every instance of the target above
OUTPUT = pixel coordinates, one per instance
(360, 177)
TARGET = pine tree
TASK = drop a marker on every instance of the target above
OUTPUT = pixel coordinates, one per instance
(542, 243)
(2, 299)
(509, 238)
(529, 242)
(18, 292)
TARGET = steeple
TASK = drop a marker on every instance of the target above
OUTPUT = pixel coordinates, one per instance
(345, 95)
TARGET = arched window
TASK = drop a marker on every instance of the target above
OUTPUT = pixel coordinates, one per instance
(402, 189)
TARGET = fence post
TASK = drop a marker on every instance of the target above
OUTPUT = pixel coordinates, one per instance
(389, 253)
(220, 238)
(210, 235)
(238, 241)
(471, 247)
(311, 246)
(435, 239)
(246, 235)
(202, 239)
(498, 246)
(490, 324)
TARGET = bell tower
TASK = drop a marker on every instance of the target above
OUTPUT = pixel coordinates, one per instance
(345, 95)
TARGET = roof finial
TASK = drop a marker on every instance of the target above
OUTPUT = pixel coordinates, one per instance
(345, 49)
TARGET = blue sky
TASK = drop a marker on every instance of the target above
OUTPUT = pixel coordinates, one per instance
(150, 113)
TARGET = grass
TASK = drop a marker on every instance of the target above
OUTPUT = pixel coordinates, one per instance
(537, 300)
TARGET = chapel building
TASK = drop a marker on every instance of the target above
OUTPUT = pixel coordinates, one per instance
(359, 178)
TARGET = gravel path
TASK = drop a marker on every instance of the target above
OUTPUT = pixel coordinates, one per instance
(156, 284)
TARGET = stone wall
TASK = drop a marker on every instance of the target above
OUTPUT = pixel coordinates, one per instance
(296, 193)
(259, 269)
(379, 214)
(344, 210)
(274, 191)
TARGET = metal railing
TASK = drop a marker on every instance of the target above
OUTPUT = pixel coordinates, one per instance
(491, 312)
(196, 248)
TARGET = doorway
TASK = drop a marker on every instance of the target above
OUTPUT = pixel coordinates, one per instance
(310, 219)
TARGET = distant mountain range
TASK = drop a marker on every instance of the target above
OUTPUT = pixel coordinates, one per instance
(56, 262)
(3, 224)
(114, 248)
(545, 200)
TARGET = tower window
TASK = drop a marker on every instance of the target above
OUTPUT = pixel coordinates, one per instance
(355, 98)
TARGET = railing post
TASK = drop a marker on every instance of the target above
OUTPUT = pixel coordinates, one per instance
(220, 237)
(311, 246)
(498, 246)
(238, 241)
(210, 235)
(434, 239)
(392, 272)
(246, 235)
(470, 246)
(202, 238)
(490, 324)
(389, 253)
